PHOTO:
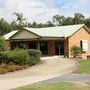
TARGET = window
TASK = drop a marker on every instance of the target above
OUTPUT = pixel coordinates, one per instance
(84, 45)
(21, 44)
(81, 45)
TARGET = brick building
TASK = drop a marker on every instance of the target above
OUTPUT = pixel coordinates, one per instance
(51, 40)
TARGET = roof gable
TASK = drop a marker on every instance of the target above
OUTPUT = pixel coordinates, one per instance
(7, 36)
(24, 34)
(60, 31)
(57, 32)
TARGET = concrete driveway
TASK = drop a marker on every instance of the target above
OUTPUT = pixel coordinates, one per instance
(49, 67)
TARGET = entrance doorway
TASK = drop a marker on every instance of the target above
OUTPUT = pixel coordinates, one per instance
(59, 48)
(43, 48)
(32, 45)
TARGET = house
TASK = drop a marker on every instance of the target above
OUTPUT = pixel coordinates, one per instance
(51, 40)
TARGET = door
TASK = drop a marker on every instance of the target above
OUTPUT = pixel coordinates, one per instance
(59, 48)
(43, 48)
(32, 45)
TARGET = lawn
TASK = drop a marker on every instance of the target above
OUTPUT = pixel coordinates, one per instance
(56, 86)
(84, 67)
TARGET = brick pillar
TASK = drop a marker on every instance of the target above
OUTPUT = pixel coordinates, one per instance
(66, 47)
(51, 47)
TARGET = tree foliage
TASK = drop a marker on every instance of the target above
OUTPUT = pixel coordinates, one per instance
(19, 22)
(5, 27)
(3, 46)
(76, 51)
(58, 20)
(77, 19)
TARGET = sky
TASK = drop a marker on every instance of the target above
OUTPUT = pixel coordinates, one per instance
(43, 10)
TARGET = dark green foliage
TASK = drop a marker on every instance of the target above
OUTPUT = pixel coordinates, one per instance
(77, 19)
(20, 57)
(58, 20)
(3, 46)
(34, 56)
(5, 27)
(69, 21)
(87, 22)
(41, 25)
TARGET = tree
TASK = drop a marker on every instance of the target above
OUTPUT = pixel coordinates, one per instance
(49, 24)
(87, 22)
(3, 46)
(78, 18)
(14, 25)
(34, 24)
(19, 20)
(41, 25)
(69, 21)
(5, 27)
(59, 20)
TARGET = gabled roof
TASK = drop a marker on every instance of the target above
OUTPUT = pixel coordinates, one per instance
(7, 36)
(60, 31)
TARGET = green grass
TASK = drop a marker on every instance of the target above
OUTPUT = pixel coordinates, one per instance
(56, 86)
(84, 67)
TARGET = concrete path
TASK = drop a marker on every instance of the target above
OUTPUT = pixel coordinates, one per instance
(49, 67)
(69, 78)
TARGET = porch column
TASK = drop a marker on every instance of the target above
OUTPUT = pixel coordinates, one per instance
(38, 44)
(59, 48)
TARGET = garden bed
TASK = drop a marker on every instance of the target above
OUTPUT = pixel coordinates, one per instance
(11, 61)
(11, 68)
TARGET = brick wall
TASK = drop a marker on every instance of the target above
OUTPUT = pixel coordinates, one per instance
(51, 47)
(82, 34)
(66, 46)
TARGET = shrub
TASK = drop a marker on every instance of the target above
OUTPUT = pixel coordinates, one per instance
(3, 70)
(34, 56)
(21, 57)
(18, 57)
(76, 51)
(11, 68)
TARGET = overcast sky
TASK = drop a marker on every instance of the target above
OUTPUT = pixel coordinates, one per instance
(43, 10)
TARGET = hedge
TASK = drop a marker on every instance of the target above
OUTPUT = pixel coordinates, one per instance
(20, 57)
(34, 56)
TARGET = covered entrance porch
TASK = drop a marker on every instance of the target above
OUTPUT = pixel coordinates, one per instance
(47, 47)
(26, 39)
